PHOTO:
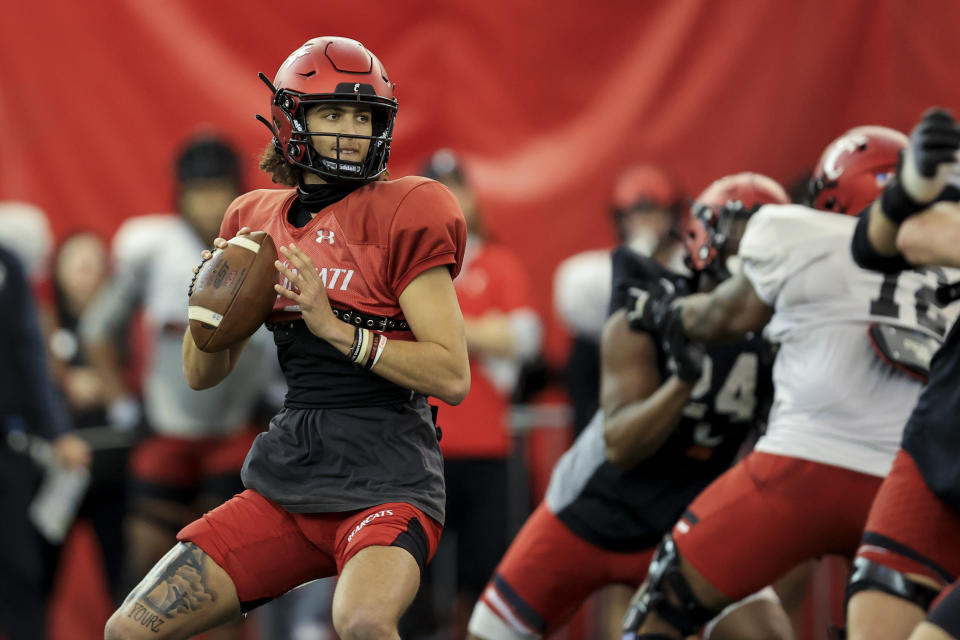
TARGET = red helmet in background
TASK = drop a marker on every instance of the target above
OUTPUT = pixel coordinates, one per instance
(709, 229)
(331, 70)
(854, 168)
(644, 187)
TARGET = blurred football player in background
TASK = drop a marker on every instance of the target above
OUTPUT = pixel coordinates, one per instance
(197, 441)
(645, 206)
(671, 420)
(348, 480)
(813, 474)
(30, 406)
(908, 552)
(503, 331)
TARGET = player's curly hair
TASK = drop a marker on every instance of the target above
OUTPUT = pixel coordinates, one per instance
(279, 170)
(282, 172)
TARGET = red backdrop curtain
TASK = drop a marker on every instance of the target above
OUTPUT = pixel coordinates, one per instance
(547, 100)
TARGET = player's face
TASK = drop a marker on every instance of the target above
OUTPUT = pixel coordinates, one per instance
(203, 201)
(81, 268)
(646, 229)
(346, 119)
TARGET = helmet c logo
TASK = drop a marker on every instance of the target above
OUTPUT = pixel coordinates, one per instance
(847, 145)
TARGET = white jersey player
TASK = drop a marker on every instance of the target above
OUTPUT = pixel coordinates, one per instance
(799, 264)
(153, 256)
(852, 345)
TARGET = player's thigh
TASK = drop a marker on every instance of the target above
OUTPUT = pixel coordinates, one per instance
(184, 594)
(910, 529)
(375, 587)
(875, 615)
(928, 631)
(756, 617)
(766, 515)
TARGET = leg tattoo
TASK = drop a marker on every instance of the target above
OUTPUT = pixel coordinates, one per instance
(177, 585)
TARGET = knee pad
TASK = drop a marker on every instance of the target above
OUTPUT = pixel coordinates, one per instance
(868, 575)
(688, 617)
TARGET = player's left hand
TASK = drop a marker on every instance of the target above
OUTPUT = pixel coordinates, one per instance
(648, 310)
(931, 156)
(307, 291)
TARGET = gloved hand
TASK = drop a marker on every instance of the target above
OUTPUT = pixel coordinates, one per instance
(684, 355)
(648, 310)
(932, 155)
(926, 166)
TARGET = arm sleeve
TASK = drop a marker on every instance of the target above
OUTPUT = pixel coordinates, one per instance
(428, 230)
(864, 254)
(43, 406)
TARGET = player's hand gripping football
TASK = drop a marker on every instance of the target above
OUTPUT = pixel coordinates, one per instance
(307, 290)
(206, 254)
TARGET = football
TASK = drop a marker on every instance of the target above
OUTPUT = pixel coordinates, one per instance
(233, 293)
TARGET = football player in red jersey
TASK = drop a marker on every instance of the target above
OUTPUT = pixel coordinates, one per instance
(348, 480)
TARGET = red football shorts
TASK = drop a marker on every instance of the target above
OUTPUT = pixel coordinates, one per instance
(179, 468)
(768, 514)
(910, 529)
(549, 571)
(266, 550)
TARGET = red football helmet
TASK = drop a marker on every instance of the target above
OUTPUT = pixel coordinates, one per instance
(331, 70)
(708, 228)
(643, 187)
(854, 167)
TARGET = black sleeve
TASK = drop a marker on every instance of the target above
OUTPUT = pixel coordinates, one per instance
(28, 392)
(866, 257)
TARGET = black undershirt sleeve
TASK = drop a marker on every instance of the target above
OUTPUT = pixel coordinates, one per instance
(866, 257)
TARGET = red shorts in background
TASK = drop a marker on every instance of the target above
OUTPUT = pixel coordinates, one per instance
(266, 550)
(178, 469)
(768, 514)
(910, 529)
(549, 571)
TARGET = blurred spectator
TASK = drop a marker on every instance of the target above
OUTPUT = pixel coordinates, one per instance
(503, 332)
(79, 269)
(29, 408)
(645, 207)
(198, 440)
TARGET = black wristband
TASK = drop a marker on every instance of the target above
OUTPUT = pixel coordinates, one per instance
(867, 257)
(897, 203)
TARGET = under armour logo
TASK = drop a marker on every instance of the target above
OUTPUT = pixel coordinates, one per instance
(324, 235)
